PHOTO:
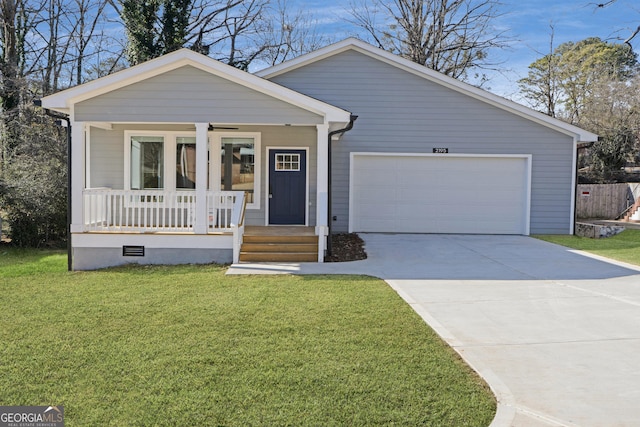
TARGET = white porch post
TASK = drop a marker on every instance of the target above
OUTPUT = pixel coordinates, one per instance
(77, 160)
(201, 224)
(322, 194)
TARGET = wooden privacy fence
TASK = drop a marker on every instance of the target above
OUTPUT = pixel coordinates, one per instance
(603, 201)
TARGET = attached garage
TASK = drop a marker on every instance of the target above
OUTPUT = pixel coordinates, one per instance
(440, 193)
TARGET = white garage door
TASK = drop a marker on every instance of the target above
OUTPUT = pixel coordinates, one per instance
(439, 193)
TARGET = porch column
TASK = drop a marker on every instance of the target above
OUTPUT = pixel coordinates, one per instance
(322, 194)
(201, 225)
(77, 176)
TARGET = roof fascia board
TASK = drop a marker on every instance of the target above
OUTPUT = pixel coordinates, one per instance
(63, 100)
(114, 81)
(309, 58)
(431, 75)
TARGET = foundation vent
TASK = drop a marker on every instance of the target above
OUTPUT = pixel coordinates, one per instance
(133, 251)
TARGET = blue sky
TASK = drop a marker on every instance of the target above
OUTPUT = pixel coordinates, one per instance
(528, 23)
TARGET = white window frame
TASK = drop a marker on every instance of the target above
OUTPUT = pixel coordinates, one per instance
(170, 138)
(215, 147)
(291, 162)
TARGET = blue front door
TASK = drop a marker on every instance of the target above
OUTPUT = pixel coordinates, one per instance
(287, 186)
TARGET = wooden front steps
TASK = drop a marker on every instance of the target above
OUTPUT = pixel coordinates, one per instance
(279, 244)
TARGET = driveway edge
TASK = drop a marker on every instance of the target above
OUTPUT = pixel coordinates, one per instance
(505, 402)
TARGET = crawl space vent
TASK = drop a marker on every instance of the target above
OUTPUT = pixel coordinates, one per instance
(133, 251)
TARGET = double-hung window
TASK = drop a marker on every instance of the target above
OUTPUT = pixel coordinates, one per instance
(147, 162)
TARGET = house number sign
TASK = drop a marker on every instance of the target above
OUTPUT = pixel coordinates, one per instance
(440, 150)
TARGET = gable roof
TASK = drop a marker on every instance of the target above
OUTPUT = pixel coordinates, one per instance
(352, 44)
(63, 101)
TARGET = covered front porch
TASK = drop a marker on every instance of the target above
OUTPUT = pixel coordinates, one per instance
(172, 158)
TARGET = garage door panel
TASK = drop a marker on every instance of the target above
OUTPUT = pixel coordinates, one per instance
(439, 194)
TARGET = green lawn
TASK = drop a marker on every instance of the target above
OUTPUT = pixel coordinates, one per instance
(623, 247)
(187, 345)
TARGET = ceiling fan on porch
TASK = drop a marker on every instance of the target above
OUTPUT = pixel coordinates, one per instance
(212, 128)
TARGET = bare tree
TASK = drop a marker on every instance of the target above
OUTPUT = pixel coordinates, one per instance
(229, 30)
(541, 87)
(90, 15)
(243, 26)
(65, 38)
(633, 34)
(449, 36)
(290, 32)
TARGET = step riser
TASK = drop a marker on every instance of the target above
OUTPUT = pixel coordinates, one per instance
(278, 257)
(281, 239)
(279, 247)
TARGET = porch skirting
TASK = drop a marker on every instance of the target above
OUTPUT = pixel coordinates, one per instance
(92, 251)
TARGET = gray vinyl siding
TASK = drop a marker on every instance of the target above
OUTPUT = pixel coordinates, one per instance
(189, 95)
(400, 112)
(107, 157)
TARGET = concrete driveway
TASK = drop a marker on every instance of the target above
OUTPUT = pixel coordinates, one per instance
(555, 333)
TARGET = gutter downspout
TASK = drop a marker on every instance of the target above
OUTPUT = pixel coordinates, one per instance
(352, 119)
(60, 117)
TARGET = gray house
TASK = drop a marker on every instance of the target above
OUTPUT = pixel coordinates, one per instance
(184, 159)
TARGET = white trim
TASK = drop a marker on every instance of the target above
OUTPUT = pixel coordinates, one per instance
(101, 125)
(215, 144)
(87, 156)
(431, 75)
(64, 100)
(307, 184)
(167, 137)
(322, 188)
(527, 157)
(322, 179)
(157, 240)
(202, 153)
(170, 142)
(78, 161)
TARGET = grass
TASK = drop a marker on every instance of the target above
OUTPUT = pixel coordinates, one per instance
(622, 247)
(187, 345)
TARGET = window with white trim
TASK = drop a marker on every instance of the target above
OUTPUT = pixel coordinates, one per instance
(147, 162)
(238, 167)
(151, 157)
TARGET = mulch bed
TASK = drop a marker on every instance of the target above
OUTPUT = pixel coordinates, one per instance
(346, 247)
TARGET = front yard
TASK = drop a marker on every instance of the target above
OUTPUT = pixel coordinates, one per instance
(622, 247)
(188, 345)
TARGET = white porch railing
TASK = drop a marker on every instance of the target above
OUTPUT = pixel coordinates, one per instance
(147, 211)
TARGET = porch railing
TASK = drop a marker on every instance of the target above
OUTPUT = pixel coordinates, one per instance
(158, 210)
